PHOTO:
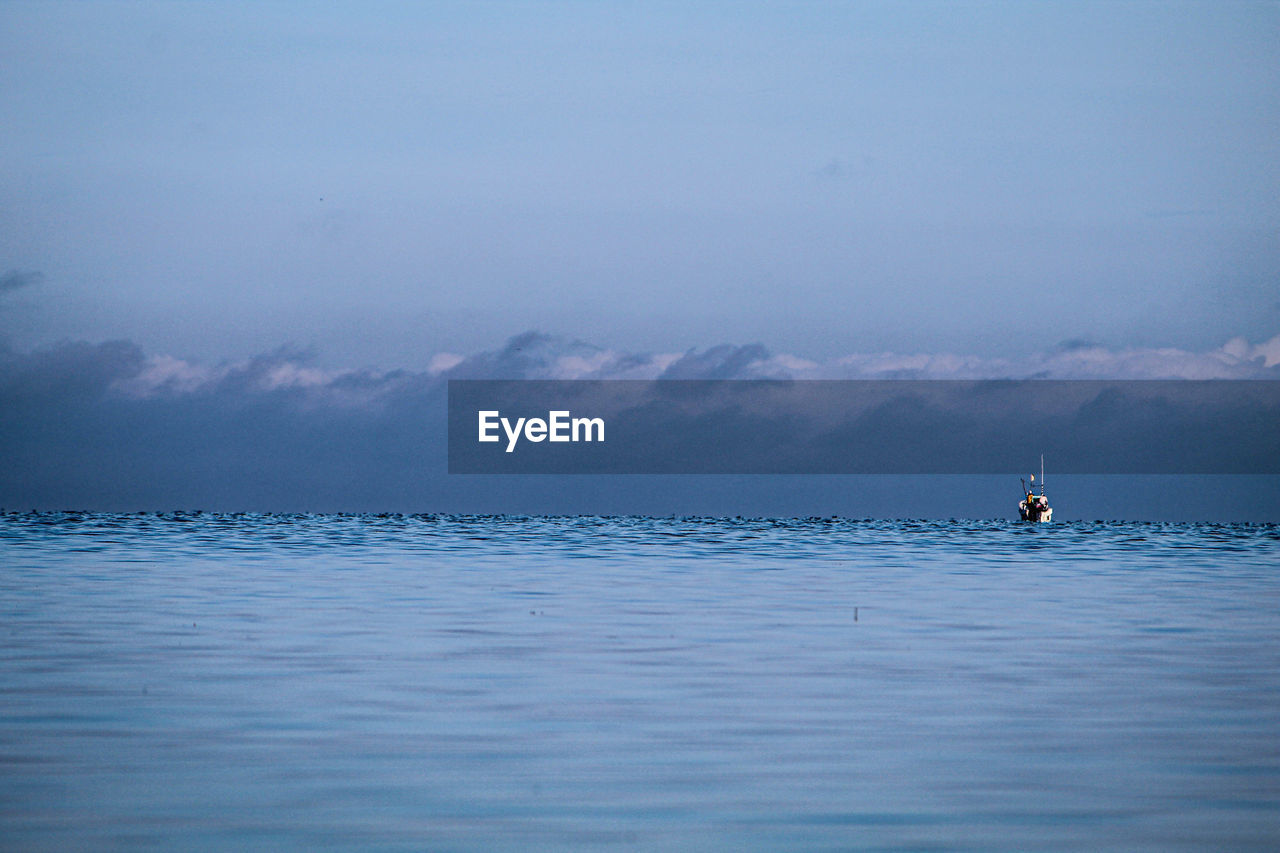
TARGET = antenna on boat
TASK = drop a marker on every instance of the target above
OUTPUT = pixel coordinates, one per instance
(1042, 473)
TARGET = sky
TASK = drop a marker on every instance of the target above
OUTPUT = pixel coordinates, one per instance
(380, 182)
(819, 190)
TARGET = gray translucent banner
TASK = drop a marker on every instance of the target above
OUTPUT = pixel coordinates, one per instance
(863, 427)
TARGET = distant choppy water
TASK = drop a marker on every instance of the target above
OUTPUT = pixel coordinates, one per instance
(438, 683)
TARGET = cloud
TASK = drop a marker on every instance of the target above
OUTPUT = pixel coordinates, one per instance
(15, 279)
(105, 426)
(110, 426)
(442, 361)
(534, 355)
(538, 356)
(72, 372)
(720, 362)
(122, 368)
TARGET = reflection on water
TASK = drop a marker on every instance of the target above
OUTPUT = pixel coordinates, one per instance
(194, 681)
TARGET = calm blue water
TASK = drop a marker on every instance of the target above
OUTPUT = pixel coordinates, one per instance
(469, 683)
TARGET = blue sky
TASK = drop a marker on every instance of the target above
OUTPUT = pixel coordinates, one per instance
(383, 182)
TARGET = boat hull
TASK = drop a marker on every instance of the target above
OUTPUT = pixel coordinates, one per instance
(1034, 513)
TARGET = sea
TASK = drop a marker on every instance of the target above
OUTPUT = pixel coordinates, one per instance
(197, 681)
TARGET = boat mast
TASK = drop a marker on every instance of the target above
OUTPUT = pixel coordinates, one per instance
(1041, 473)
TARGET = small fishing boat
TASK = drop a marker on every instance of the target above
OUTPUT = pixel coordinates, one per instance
(1035, 507)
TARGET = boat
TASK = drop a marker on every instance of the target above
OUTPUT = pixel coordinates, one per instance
(1035, 507)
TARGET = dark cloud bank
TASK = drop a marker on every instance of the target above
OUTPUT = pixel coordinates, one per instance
(109, 427)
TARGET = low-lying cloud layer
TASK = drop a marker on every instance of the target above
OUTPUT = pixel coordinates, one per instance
(109, 426)
(537, 356)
